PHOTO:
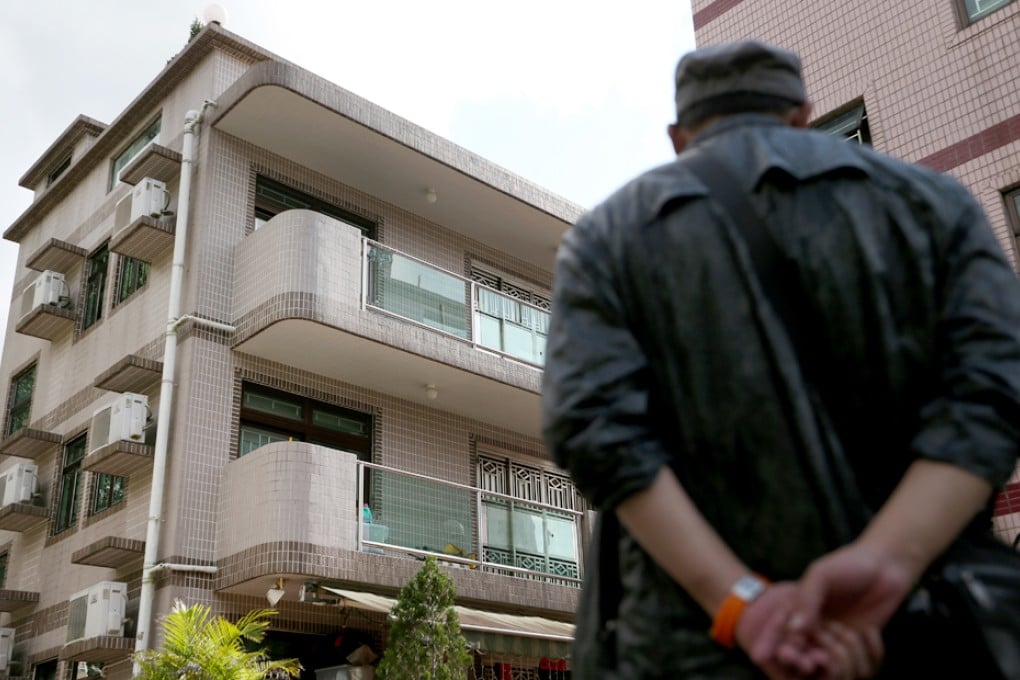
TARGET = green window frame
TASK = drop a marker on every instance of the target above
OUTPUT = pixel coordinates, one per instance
(273, 198)
(132, 274)
(974, 10)
(107, 491)
(68, 489)
(137, 145)
(95, 286)
(19, 400)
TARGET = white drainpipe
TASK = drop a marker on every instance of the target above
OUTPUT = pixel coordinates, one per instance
(166, 391)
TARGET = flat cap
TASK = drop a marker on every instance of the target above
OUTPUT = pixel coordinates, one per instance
(745, 67)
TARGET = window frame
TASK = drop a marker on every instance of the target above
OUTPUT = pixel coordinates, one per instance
(68, 496)
(149, 135)
(544, 471)
(132, 275)
(835, 123)
(115, 493)
(94, 286)
(58, 169)
(966, 18)
(1011, 199)
(25, 403)
(273, 197)
(304, 429)
(5, 561)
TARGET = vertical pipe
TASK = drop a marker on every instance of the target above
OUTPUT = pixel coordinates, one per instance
(166, 390)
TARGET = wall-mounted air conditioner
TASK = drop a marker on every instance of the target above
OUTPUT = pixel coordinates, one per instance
(18, 483)
(97, 611)
(148, 197)
(6, 647)
(48, 288)
(123, 419)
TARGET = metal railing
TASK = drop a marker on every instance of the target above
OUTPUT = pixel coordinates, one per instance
(417, 515)
(414, 290)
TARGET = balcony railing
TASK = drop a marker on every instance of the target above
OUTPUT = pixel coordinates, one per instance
(414, 290)
(417, 515)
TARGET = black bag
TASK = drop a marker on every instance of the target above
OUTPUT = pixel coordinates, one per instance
(963, 620)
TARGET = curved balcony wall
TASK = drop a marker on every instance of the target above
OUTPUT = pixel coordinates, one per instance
(298, 291)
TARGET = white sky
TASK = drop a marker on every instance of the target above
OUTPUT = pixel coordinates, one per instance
(571, 94)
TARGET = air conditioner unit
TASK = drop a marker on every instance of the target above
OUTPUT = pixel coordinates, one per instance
(97, 611)
(148, 197)
(124, 419)
(18, 483)
(47, 289)
(6, 647)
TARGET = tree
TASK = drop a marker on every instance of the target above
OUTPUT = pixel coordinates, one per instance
(425, 642)
(197, 645)
(196, 28)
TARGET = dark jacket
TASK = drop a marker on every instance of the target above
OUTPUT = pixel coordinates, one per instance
(663, 351)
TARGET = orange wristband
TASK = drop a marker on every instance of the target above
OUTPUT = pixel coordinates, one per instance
(744, 592)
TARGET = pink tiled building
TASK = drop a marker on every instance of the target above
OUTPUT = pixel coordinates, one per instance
(930, 81)
(269, 340)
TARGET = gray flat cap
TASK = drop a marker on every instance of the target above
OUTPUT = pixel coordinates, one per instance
(750, 67)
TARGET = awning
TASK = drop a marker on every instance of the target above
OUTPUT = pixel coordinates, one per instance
(490, 632)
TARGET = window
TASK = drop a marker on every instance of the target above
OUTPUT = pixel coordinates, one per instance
(851, 124)
(107, 491)
(972, 10)
(149, 135)
(19, 401)
(47, 670)
(1012, 199)
(506, 325)
(58, 170)
(272, 198)
(131, 275)
(95, 286)
(269, 415)
(68, 489)
(3, 568)
(520, 533)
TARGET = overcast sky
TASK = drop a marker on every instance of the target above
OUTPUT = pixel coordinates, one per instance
(571, 94)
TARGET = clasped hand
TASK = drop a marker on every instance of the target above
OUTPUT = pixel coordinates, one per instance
(828, 624)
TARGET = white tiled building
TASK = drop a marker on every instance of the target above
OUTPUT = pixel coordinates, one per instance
(338, 315)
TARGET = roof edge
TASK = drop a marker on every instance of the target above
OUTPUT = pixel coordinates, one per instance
(81, 126)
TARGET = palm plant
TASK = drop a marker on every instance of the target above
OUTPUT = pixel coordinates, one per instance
(197, 645)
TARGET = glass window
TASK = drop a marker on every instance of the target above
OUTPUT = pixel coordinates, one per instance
(68, 488)
(520, 533)
(269, 415)
(851, 124)
(58, 170)
(417, 291)
(47, 670)
(95, 287)
(272, 198)
(19, 401)
(107, 491)
(132, 275)
(976, 9)
(3, 569)
(510, 318)
(137, 145)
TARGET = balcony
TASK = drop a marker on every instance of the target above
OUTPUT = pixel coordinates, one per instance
(306, 527)
(29, 442)
(311, 293)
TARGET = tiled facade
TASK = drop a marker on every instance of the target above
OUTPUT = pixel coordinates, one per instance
(289, 304)
(938, 88)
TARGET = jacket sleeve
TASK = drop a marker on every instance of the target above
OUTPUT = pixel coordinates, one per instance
(595, 385)
(974, 418)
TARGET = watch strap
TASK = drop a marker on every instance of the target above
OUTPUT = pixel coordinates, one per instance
(745, 591)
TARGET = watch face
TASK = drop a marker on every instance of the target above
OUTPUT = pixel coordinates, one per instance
(748, 588)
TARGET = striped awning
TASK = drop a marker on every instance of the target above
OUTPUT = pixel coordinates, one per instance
(491, 632)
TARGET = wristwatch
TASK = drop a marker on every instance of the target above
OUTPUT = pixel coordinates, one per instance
(745, 591)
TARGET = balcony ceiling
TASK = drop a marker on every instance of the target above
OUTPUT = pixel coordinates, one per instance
(326, 351)
(295, 127)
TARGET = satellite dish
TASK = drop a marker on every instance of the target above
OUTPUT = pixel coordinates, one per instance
(214, 14)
